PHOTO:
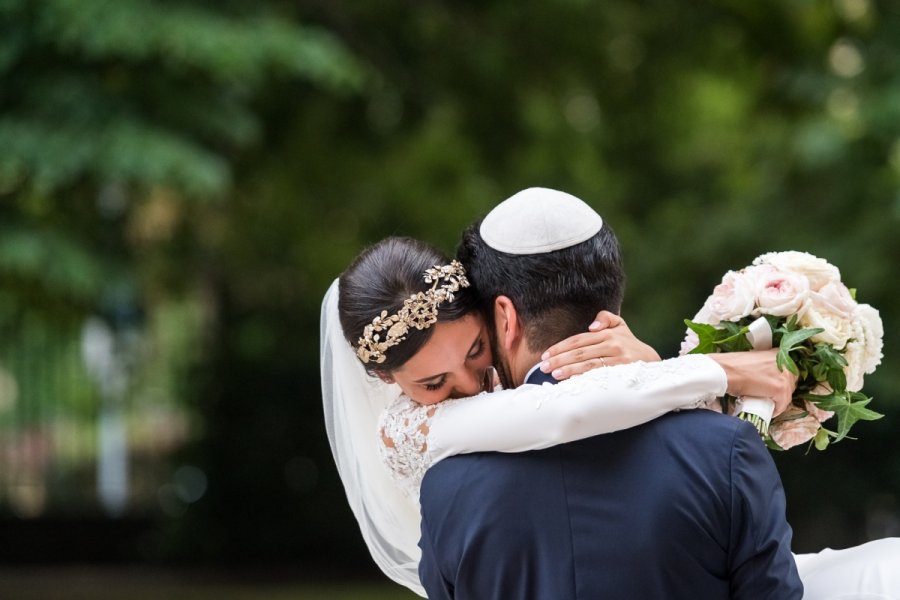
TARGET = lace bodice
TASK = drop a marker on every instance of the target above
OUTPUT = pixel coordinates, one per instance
(404, 428)
(531, 417)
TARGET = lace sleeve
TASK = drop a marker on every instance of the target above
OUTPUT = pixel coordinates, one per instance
(403, 429)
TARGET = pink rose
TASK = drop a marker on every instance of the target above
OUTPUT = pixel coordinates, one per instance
(817, 413)
(782, 293)
(790, 429)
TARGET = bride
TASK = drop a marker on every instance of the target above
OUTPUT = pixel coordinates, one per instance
(403, 389)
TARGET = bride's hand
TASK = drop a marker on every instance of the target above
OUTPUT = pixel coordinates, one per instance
(608, 342)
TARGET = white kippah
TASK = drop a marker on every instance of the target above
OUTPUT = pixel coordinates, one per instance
(539, 220)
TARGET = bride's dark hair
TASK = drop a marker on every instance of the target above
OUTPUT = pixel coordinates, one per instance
(381, 278)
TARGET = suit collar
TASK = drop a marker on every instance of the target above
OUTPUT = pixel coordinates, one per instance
(536, 376)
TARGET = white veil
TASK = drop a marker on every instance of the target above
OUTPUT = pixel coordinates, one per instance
(353, 401)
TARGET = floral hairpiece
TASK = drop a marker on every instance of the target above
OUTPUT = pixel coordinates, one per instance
(419, 311)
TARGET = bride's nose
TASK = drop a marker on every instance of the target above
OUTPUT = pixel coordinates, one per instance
(470, 383)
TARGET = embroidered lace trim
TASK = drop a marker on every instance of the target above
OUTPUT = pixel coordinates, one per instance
(403, 427)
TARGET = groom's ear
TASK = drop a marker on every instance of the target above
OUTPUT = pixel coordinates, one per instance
(506, 322)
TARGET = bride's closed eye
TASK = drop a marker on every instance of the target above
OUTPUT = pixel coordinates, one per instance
(477, 350)
(431, 387)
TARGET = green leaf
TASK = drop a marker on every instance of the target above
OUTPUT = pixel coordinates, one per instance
(821, 440)
(727, 337)
(820, 371)
(837, 379)
(784, 361)
(736, 337)
(848, 407)
(770, 443)
(706, 334)
(793, 339)
(826, 354)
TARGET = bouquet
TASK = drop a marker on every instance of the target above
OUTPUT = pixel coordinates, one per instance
(796, 302)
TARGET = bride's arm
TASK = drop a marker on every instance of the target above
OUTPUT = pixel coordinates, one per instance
(603, 400)
(532, 417)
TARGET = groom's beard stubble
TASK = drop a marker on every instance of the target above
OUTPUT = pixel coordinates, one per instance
(500, 362)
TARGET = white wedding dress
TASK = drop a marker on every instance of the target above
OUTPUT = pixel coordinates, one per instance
(382, 485)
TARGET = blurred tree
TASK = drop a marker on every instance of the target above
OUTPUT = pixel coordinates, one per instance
(114, 115)
(119, 121)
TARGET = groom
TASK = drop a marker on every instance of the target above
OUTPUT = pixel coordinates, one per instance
(687, 506)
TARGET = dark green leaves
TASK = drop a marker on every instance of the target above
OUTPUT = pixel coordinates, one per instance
(848, 407)
(728, 337)
(791, 348)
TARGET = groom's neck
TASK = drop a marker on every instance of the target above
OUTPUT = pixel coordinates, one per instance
(522, 363)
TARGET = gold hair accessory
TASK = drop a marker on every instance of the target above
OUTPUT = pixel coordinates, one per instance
(419, 310)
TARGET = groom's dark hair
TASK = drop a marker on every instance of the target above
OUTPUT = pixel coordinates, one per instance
(556, 294)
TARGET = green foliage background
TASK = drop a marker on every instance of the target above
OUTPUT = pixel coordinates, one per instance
(234, 157)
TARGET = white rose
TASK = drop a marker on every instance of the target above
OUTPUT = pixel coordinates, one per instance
(863, 351)
(691, 341)
(819, 271)
(855, 353)
(731, 300)
(782, 293)
(873, 333)
(704, 315)
(835, 298)
(837, 330)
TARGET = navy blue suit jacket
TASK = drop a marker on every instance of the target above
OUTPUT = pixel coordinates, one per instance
(689, 505)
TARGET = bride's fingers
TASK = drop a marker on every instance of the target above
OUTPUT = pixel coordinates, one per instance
(606, 320)
(581, 341)
(616, 346)
(613, 344)
(566, 371)
(785, 393)
(580, 360)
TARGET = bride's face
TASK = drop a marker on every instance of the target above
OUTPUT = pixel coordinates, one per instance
(451, 364)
